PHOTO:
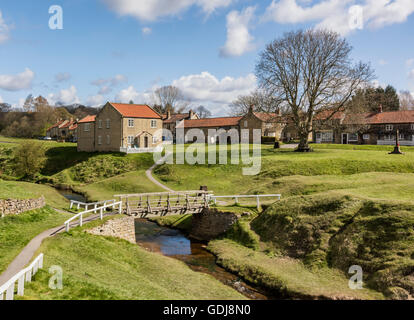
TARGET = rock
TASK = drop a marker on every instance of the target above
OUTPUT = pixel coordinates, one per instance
(123, 228)
(15, 207)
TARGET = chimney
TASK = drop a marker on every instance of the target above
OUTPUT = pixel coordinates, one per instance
(191, 114)
(168, 114)
(380, 108)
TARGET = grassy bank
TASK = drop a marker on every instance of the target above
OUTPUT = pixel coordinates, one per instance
(17, 231)
(103, 268)
(25, 190)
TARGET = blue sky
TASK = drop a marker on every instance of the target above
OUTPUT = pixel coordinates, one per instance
(120, 50)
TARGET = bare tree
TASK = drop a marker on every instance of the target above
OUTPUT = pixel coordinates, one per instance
(171, 99)
(311, 74)
(406, 100)
(203, 112)
(260, 100)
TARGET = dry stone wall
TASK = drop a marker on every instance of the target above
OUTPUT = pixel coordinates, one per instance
(211, 223)
(123, 228)
(14, 207)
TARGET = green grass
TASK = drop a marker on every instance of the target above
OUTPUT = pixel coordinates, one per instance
(284, 276)
(25, 190)
(17, 231)
(104, 268)
(132, 182)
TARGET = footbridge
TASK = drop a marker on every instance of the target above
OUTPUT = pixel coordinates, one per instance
(164, 203)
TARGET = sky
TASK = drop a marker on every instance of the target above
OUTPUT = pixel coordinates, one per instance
(120, 50)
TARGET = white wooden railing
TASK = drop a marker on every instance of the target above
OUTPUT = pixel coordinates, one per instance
(21, 278)
(94, 210)
(87, 205)
(237, 197)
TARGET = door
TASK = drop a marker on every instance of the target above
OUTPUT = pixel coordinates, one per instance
(344, 138)
(146, 142)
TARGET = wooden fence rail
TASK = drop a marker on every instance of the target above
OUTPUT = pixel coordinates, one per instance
(9, 288)
(87, 205)
(237, 197)
(101, 210)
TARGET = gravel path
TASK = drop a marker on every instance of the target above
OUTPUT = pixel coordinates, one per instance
(155, 181)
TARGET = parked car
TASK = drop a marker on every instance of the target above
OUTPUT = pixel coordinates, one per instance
(45, 138)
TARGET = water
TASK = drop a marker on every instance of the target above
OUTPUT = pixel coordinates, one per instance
(70, 195)
(175, 244)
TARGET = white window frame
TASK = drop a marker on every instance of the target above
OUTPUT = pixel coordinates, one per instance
(100, 124)
(108, 139)
(366, 136)
(87, 127)
(352, 140)
(99, 140)
(246, 123)
(389, 127)
(129, 123)
(327, 136)
(108, 123)
(153, 124)
(131, 140)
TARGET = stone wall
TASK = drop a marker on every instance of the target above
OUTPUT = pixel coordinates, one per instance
(123, 228)
(211, 223)
(14, 207)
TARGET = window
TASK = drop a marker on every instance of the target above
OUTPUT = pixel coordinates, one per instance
(87, 127)
(246, 124)
(353, 137)
(389, 127)
(108, 139)
(153, 123)
(131, 123)
(108, 123)
(100, 124)
(324, 136)
(99, 140)
(366, 137)
(412, 127)
(130, 140)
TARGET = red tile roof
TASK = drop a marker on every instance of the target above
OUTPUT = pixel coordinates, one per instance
(267, 117)
(73, 126)
(392, 117)
(175, 117)
(57, 124)
(212, 122)
(136, 111)
(88, 119)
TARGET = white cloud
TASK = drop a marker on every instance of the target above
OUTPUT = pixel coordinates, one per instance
(107, 85)
(146, 31)
(239, 40)
(382, 62)
(130, 93)
(205, 87)
(63, 76)
(151, 10)
(95, 101)
(411, 74)
(334, 14)
(409, 62)
(1, 100)
(4, 29)
(17, 82)
(65, 96)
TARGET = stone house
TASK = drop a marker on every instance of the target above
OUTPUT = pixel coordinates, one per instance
(53, 131)
(375, 128)
(86, 134)
(171, 120)
(224, 125)
(121, 127)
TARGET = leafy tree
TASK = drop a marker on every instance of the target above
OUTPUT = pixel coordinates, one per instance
(29, 159)
(311, 74)
(371, 99)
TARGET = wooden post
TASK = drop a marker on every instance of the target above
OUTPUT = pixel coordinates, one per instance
(187, 203)
(237, 200)
(168, 204)
(101, 214)
(71, 205)
(20, 286)
(120, 207)
(258, 202)
(81, 220)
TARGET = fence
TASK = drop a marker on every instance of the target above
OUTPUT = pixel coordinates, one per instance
(87, 205)
(94, 210)
(237, 197)
(21, 278)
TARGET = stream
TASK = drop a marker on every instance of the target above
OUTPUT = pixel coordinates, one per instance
(175, 244)
(70, 195)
